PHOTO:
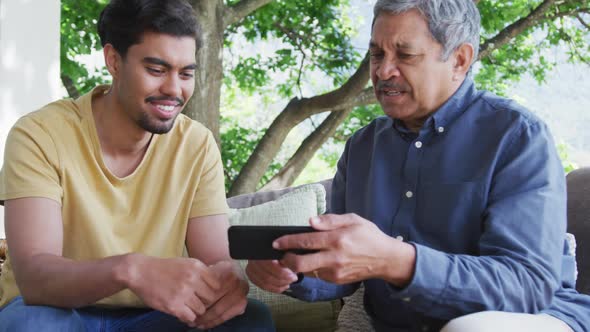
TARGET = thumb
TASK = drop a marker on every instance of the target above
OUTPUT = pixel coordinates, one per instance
(328, 222)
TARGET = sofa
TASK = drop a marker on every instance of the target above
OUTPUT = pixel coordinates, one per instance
(347, 314)
(280, 206)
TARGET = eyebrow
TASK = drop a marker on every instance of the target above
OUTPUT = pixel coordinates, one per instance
(398, 45)
(160, 62)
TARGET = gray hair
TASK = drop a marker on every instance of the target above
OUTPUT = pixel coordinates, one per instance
(451, 22)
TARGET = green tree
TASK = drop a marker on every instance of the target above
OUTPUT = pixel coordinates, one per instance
(313, 38)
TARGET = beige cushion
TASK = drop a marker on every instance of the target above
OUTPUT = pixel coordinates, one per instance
(293, 208)
(353, 316)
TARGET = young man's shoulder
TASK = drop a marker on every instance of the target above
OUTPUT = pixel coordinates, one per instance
(189, 129)
(53, 117)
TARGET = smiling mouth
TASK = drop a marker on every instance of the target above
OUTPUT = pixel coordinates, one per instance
(166, 108)
(392, 93)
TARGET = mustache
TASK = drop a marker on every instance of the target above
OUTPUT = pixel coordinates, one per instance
(388, 84)
(179, 100)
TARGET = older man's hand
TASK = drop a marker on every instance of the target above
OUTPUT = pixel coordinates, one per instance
(351, 249)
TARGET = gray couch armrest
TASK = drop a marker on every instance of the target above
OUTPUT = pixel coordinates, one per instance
(578, 219)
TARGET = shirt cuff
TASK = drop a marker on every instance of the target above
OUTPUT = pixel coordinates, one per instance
(429, 280)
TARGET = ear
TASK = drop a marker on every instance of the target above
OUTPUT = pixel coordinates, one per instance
(112, 59)
(463, 57)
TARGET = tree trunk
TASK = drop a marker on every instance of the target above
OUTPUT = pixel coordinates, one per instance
(70, 87)
(204, 105)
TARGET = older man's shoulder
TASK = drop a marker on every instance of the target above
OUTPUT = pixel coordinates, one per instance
(507, 109)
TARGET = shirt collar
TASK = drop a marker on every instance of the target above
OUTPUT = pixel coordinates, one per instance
(455, 106)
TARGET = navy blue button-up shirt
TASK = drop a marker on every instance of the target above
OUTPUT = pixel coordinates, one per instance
(480, 193)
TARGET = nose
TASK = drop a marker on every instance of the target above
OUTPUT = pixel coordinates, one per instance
(171, 86)
(387, 69)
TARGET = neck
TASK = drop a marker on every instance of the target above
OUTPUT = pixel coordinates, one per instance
(414, 125)
(117, 132)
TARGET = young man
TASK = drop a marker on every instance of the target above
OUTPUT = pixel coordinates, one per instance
(103, 194)
(452, 204)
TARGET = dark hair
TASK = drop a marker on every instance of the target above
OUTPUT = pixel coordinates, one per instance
(122, 23)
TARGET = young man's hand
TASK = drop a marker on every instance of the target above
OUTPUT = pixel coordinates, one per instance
(270, 275)
(231, 298)
(181, 287)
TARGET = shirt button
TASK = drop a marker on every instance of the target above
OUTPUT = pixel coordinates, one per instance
(441, 129)
(406, 299)
(409, 194)
(399, 237)
(418, 144)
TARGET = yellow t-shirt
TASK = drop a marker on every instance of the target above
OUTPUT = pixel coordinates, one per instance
(55, 153)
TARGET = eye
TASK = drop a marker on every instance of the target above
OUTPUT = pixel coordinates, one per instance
(376, 54)
(405, 56)
(187, 74)
(155, 71)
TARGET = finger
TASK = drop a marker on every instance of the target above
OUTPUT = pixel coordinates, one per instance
(210, 278)
(306, 263)
(274, 279)
(278, 272)
(203, 289)
(328, 222)
(311, 241)
(206, 295)
(196, 305)
(186, 315)
(229, 306)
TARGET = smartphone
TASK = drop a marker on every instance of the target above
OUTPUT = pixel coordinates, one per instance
(255, 242)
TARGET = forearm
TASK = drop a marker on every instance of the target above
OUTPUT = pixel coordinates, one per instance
(447, 285)
(57, 281)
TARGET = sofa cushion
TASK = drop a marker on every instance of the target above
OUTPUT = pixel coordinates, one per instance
(294, 207)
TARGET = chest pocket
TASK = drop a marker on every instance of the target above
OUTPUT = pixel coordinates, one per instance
(449, 216)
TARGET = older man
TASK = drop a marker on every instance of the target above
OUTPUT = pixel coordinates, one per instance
(451, 204)
(103, 193)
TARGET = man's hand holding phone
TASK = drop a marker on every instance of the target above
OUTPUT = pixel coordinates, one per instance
(255, 243)
(348, 249)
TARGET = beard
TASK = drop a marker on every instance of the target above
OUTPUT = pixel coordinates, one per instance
(155, 126)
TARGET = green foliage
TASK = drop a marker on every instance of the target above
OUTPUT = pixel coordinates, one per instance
(568, 165)
(526, 53)
(237, 145)
(313, 36)
(358, 118)
(79, 37)
(305, 46)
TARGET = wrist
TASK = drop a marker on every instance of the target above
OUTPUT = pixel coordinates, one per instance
(126, 270)
(400, 265)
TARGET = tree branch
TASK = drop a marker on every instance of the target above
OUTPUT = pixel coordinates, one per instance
(307, 150)
(581, 20)
(70, 87)
(294, 113)
(514, 29)
(237, 12)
